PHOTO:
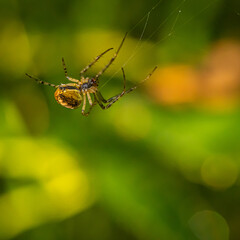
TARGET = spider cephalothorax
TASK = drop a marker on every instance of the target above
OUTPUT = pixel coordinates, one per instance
(71, 95)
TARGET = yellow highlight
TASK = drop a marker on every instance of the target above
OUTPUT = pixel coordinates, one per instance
(41, 159)
(68, 192)
(54, 187)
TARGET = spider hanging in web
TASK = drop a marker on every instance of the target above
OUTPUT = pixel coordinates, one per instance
(71, 95)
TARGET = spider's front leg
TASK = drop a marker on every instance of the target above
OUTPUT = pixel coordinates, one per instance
(111, 60)
(94, 61)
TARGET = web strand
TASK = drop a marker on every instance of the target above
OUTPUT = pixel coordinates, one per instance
(139, 44)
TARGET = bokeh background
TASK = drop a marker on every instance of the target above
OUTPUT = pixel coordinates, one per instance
(162, 163)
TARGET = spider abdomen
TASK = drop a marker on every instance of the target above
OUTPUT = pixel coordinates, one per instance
(68, 96)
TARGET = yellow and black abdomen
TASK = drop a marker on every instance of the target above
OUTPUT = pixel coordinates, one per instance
(68, 95)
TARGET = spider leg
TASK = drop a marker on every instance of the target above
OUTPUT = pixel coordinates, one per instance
(42, 82)
(100, 97)
(100, 100)
(92, 104)
(91, 107)
(114, 99)
(84, 104)
(111, 60)
(94, 61)
(101, 104)
(66, 75)
(89, 98)
(133, 88)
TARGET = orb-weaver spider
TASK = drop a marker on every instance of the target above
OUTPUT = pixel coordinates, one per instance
(71, 95)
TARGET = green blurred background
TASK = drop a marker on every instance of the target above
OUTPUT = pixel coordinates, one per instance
(162, 163)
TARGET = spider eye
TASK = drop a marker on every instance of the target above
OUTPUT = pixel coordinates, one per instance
(92, 81)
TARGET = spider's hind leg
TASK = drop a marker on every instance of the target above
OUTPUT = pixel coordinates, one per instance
(100, 97)
(114, 99)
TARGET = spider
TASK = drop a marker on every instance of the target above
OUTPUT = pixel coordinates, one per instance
(71, 95)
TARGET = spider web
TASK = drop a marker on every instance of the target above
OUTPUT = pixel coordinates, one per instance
(145, 20)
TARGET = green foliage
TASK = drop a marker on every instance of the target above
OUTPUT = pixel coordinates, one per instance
(140, 170)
